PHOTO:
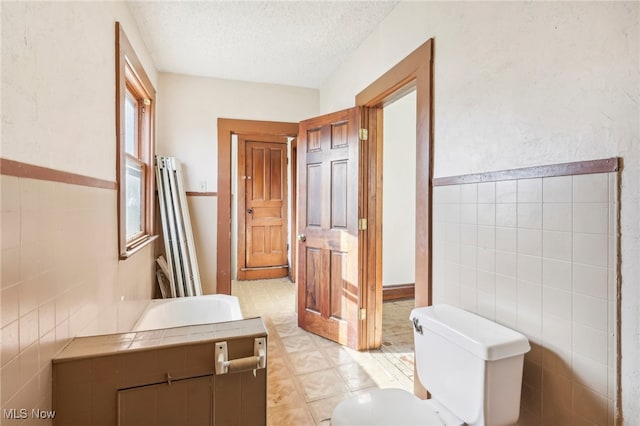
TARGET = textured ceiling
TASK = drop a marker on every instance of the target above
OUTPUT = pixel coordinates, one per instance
(296, 43)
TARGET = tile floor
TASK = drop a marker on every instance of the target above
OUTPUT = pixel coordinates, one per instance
(309, 375)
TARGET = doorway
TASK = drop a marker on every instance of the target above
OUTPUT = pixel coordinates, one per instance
(398, 227)
(399, 198)
(412, 73)
(228, 129)
(263, 207)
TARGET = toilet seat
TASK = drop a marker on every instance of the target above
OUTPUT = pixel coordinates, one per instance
(386, 407)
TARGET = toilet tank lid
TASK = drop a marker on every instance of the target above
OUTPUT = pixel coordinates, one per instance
(483, 338)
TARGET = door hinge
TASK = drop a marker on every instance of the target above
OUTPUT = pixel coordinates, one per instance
(362, 224)
(363, 134)
(363, 314)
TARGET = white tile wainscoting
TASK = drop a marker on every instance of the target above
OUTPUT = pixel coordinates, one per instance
(539, 255)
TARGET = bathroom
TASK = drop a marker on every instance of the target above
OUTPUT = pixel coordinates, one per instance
(515, 85)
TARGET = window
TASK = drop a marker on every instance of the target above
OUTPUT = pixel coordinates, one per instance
(135, 103)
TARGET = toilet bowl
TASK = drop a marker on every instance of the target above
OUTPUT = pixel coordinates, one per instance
(471, 366)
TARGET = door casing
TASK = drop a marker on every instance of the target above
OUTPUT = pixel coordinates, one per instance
(293, 163)
(226, 128)
(414, 72)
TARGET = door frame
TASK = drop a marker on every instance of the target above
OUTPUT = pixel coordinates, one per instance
(227, 127)
(242, 273)
(415, 71)
(293, 163)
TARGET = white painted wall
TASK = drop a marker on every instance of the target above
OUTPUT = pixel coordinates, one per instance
(188, 110)
(58, 84)
(523, 84)
(204, 212)
(399, 192)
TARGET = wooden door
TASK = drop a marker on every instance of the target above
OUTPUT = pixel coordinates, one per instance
(328, 263)
(263, 204)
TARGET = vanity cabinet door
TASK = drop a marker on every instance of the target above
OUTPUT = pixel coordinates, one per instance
(186, 402)
(240, 399)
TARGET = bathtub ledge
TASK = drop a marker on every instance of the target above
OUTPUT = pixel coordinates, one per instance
(93, 346)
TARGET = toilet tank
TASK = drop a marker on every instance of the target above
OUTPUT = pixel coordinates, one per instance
(469, 364)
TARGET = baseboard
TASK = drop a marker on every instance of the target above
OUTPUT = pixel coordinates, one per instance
(246, 274)
(398, 292)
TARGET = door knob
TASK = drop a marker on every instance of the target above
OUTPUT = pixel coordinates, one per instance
(250, 211)
(302, 238)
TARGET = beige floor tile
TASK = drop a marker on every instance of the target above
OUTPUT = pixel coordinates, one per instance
(288, 416)
(277, 368)
(321, 384)
(289, 329)
(358, 377)
(298, 344)
(307, 362)
(339, 355)
(309, 375)
(283, 393)
(274, 342)
(321, 341)
(283, 318)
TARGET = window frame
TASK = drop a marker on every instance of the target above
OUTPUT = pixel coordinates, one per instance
(131, 77)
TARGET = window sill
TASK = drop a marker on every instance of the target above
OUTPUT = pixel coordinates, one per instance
(139, 246)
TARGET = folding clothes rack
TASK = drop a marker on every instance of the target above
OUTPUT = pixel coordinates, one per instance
(184, 278)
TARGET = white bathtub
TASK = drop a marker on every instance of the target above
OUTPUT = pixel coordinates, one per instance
(182, 311)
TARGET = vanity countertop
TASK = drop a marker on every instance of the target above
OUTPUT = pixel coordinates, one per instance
(92, 346)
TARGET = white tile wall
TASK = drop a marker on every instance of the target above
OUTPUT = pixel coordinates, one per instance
(529, 190)
(530, 215)
(506, 191)
(557, 217)
(469, 194)
(529, 241)
(487, 192)
(557, 189)
(61, 277)
(487, 214)
(539, 255)
(506, 215)
(506, 239)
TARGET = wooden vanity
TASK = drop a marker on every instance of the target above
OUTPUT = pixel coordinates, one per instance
(164, 377)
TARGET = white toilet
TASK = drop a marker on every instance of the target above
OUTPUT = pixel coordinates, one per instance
(471, 366)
